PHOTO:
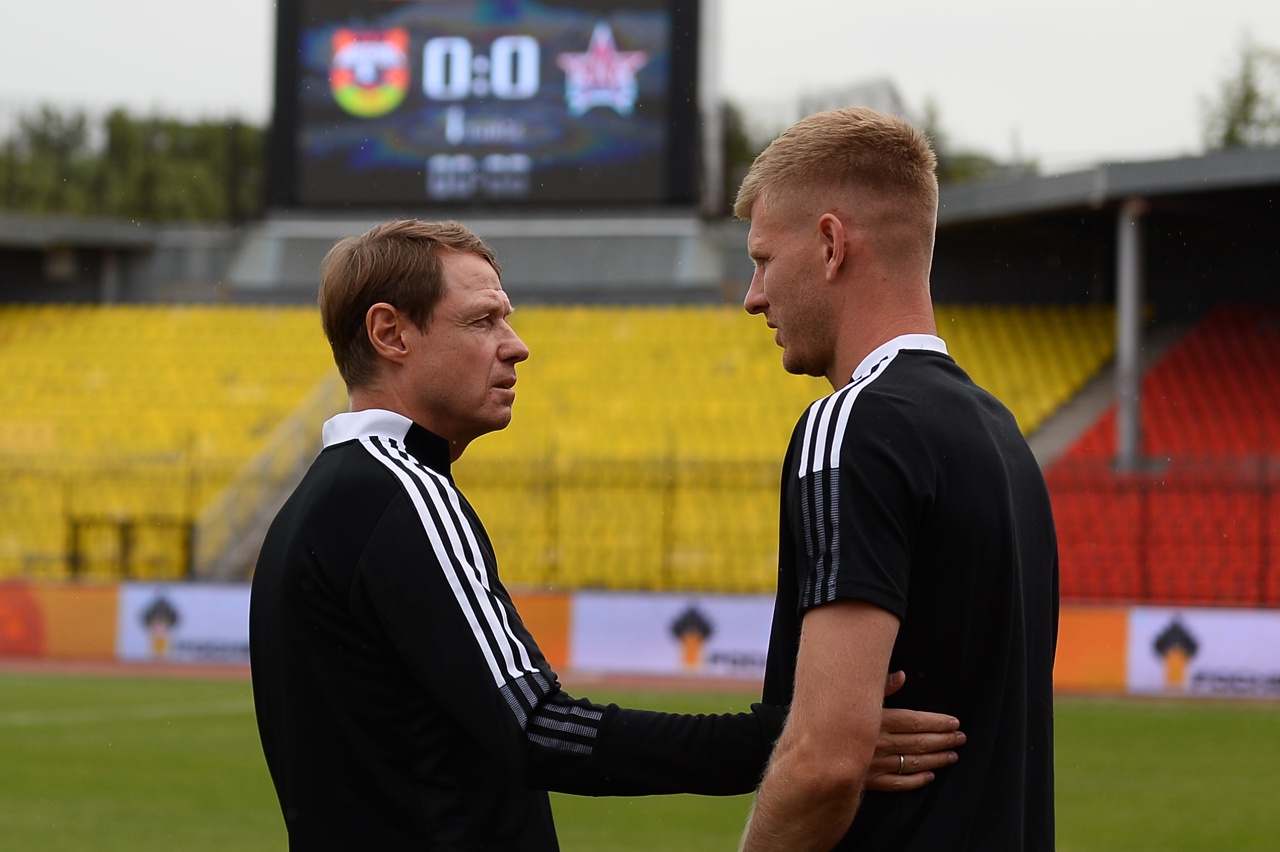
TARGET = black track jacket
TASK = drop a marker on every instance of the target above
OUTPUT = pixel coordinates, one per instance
(401, 702)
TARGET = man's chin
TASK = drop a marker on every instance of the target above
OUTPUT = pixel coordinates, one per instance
(797, 367)
(496, 421)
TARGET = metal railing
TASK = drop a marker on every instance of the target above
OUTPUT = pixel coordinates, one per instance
(1187, 531)
(228, 531)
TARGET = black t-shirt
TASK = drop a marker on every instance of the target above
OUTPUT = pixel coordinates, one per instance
(913, 489)
(400, 700)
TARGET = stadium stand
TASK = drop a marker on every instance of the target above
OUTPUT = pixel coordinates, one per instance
(644, 453)
(125, 423)
(1198, 525)
(646, 445)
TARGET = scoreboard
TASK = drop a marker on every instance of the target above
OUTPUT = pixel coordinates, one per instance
(485, 103)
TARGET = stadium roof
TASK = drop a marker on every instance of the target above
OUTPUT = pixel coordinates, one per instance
(24, 231)
(1109, 184)
(1170, 235)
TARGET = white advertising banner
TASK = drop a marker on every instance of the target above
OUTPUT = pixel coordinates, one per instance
(180, 623)
(1230, 653)
(670, 634)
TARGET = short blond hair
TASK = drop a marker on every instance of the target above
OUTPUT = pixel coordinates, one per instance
(854, 147)
(397, 262)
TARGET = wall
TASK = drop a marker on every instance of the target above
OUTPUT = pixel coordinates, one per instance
(1226, 653)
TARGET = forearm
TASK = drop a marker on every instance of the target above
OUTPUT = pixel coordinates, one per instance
(640, 752)
(802, 805)
(818, 771)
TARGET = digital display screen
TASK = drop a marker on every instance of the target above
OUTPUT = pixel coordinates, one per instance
(489, 103)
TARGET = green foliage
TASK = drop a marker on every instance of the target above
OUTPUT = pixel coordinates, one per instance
(739, 150)
(126, 763)
(957, 164)
(1246, 111)
(141, 168)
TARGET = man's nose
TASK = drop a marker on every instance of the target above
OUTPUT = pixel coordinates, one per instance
(755, 302)
(515, 349)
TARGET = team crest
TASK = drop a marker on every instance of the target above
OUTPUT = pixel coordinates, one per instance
(602, 76)
(369, 74)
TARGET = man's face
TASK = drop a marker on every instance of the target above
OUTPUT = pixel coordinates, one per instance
(464, 363)
(788, 287)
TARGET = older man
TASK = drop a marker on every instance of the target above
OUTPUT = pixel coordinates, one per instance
(916, 527)
(401, 702)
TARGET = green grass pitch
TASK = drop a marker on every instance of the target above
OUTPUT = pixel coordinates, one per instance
(126, 763)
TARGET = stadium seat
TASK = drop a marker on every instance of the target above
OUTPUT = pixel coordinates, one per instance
(644, 452)
(1210, 418)
(130, 419)
(660, 433)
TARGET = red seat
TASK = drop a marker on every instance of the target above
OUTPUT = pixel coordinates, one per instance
(1205, 529)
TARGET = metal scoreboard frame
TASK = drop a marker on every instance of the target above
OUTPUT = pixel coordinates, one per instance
(486, 104)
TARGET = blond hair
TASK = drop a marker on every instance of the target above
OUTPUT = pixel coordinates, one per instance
(855, 148)
(397, 262)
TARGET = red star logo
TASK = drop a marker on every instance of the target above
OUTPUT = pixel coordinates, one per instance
(602, 76)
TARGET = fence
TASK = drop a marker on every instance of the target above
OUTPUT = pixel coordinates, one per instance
(228, 530)
(630, 524)
(60, 519)
(1188, 532)
(169, 516)
(1202, 531)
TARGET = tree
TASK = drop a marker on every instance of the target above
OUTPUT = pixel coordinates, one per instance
(49, 166)
(739, 151)
(1246, 111)
(143, 168)
(955, 164)
(959, 164)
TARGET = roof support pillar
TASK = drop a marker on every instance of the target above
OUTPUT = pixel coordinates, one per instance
(1129, 298)
(109, 278)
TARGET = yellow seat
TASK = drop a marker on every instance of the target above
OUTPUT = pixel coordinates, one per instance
(136, 412)
(659, 434)
(644, 453)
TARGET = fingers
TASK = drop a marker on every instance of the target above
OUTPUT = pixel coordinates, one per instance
(907, 761)
(888, 745)
(912, 745)
(893, 720)
(898, 773)
(898, 783)
(894, 682)
(888, 764)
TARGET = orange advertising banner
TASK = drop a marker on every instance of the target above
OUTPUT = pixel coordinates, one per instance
(547, 617)
(80, 622)
(1091, 649)
(56, 621)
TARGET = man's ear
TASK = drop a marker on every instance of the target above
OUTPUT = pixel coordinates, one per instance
(833, 237)
(386, 328)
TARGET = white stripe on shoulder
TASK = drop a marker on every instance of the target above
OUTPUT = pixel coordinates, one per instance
(494, 610)
(835, 406)
(458, 569)
(807, 436)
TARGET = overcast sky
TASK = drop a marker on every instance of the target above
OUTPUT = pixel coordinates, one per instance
(1067, 83)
